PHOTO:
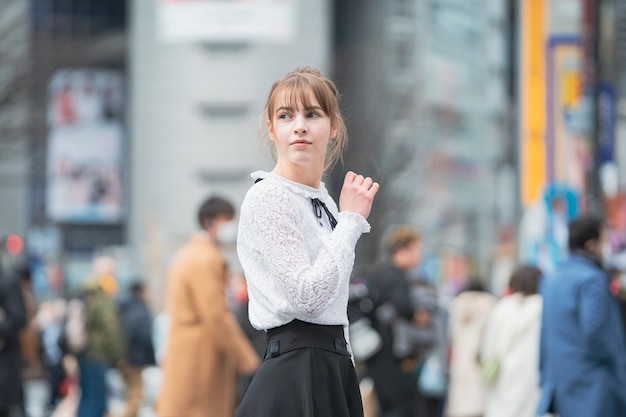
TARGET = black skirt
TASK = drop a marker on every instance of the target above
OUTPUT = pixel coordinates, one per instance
(307, 372)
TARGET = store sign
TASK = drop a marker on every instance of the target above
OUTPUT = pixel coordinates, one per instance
(606, 123)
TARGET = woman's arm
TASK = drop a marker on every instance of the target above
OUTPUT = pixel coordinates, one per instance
(271, 234)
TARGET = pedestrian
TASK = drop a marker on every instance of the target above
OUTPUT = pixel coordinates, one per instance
(12, 321)
(297, 251)
(430, 320)
(583, 351)
(511, 337)
(136, 319)
(393, 372)
(206, 348)
(29, 336)
(93, 335)
(467, 313)
(50, 321)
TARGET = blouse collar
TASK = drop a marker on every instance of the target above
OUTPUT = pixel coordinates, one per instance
(305, 190)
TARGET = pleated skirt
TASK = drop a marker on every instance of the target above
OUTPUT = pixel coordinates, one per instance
(307, 372)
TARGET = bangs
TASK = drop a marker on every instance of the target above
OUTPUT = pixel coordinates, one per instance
(298, 91)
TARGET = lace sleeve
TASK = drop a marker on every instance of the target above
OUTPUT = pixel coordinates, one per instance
(287, 257)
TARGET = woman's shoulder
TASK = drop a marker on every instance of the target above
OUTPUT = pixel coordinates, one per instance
(270, 187)
(266, 188)
(518, 305)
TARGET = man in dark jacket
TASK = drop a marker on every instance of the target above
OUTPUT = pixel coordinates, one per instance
(12, 320)
(394, 382)
(582, 349)
(136, 319)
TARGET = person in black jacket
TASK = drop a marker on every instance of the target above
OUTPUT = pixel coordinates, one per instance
(136, 319)
(394, 381)
(12, 320)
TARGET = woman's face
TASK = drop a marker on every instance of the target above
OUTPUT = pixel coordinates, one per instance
(300, 134)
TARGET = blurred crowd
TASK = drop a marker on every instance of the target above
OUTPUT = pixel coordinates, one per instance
(550, 343)
(72, 342)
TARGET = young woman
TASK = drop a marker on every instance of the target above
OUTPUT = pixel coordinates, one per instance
(511, 334)
(297, 251)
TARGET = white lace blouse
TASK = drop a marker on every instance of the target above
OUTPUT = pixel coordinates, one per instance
(296, 266)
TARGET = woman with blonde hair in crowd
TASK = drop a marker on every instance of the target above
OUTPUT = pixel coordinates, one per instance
(511, 337)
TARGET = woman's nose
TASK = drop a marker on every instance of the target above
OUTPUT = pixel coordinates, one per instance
(300, 126)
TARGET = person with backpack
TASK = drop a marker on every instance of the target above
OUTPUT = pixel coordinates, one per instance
(92, 333)
(136, 319)
(393, 372)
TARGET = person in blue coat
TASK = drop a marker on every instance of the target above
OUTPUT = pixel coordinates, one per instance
(582, 348)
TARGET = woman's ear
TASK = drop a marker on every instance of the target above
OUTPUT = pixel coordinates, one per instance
(333, 132)
(270, 129)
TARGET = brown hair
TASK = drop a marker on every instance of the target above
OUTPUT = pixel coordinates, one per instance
(296, 87)
(212, 208)
(399, 238)
(525, 279)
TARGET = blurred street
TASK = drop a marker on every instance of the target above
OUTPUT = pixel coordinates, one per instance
(490, 126)
(36, 392)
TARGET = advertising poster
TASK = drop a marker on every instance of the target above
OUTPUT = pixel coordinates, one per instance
(568, 156)
(84, 152)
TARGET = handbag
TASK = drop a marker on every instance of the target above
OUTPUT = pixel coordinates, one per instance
(489, 370)
(432, 379)
(490, 367)
(364, 339)
(409, 340)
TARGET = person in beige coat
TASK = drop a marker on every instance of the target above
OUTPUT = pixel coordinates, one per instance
(468, 312)
(206, 348)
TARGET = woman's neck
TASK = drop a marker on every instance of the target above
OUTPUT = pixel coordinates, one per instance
(306, 176)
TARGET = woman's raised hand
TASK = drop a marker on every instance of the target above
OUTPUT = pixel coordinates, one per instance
(357, 194)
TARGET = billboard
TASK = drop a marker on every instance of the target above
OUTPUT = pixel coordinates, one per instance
(84, 152)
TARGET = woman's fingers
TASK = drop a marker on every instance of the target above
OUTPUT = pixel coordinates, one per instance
(357, 194)
(373, 190)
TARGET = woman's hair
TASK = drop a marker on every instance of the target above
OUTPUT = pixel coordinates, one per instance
(296, 86)
(525, 279)
(475, 283)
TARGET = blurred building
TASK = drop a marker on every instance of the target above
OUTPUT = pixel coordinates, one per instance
(426, 83)
(199, 77)
(39, 39)
(433, 93)
(14, 116)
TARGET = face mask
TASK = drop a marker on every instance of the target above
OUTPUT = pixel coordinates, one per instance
(227, 232)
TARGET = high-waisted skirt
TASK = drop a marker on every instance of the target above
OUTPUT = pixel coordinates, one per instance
(307, 372)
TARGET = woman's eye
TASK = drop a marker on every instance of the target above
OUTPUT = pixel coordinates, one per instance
(283, 116)
(313, 114)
